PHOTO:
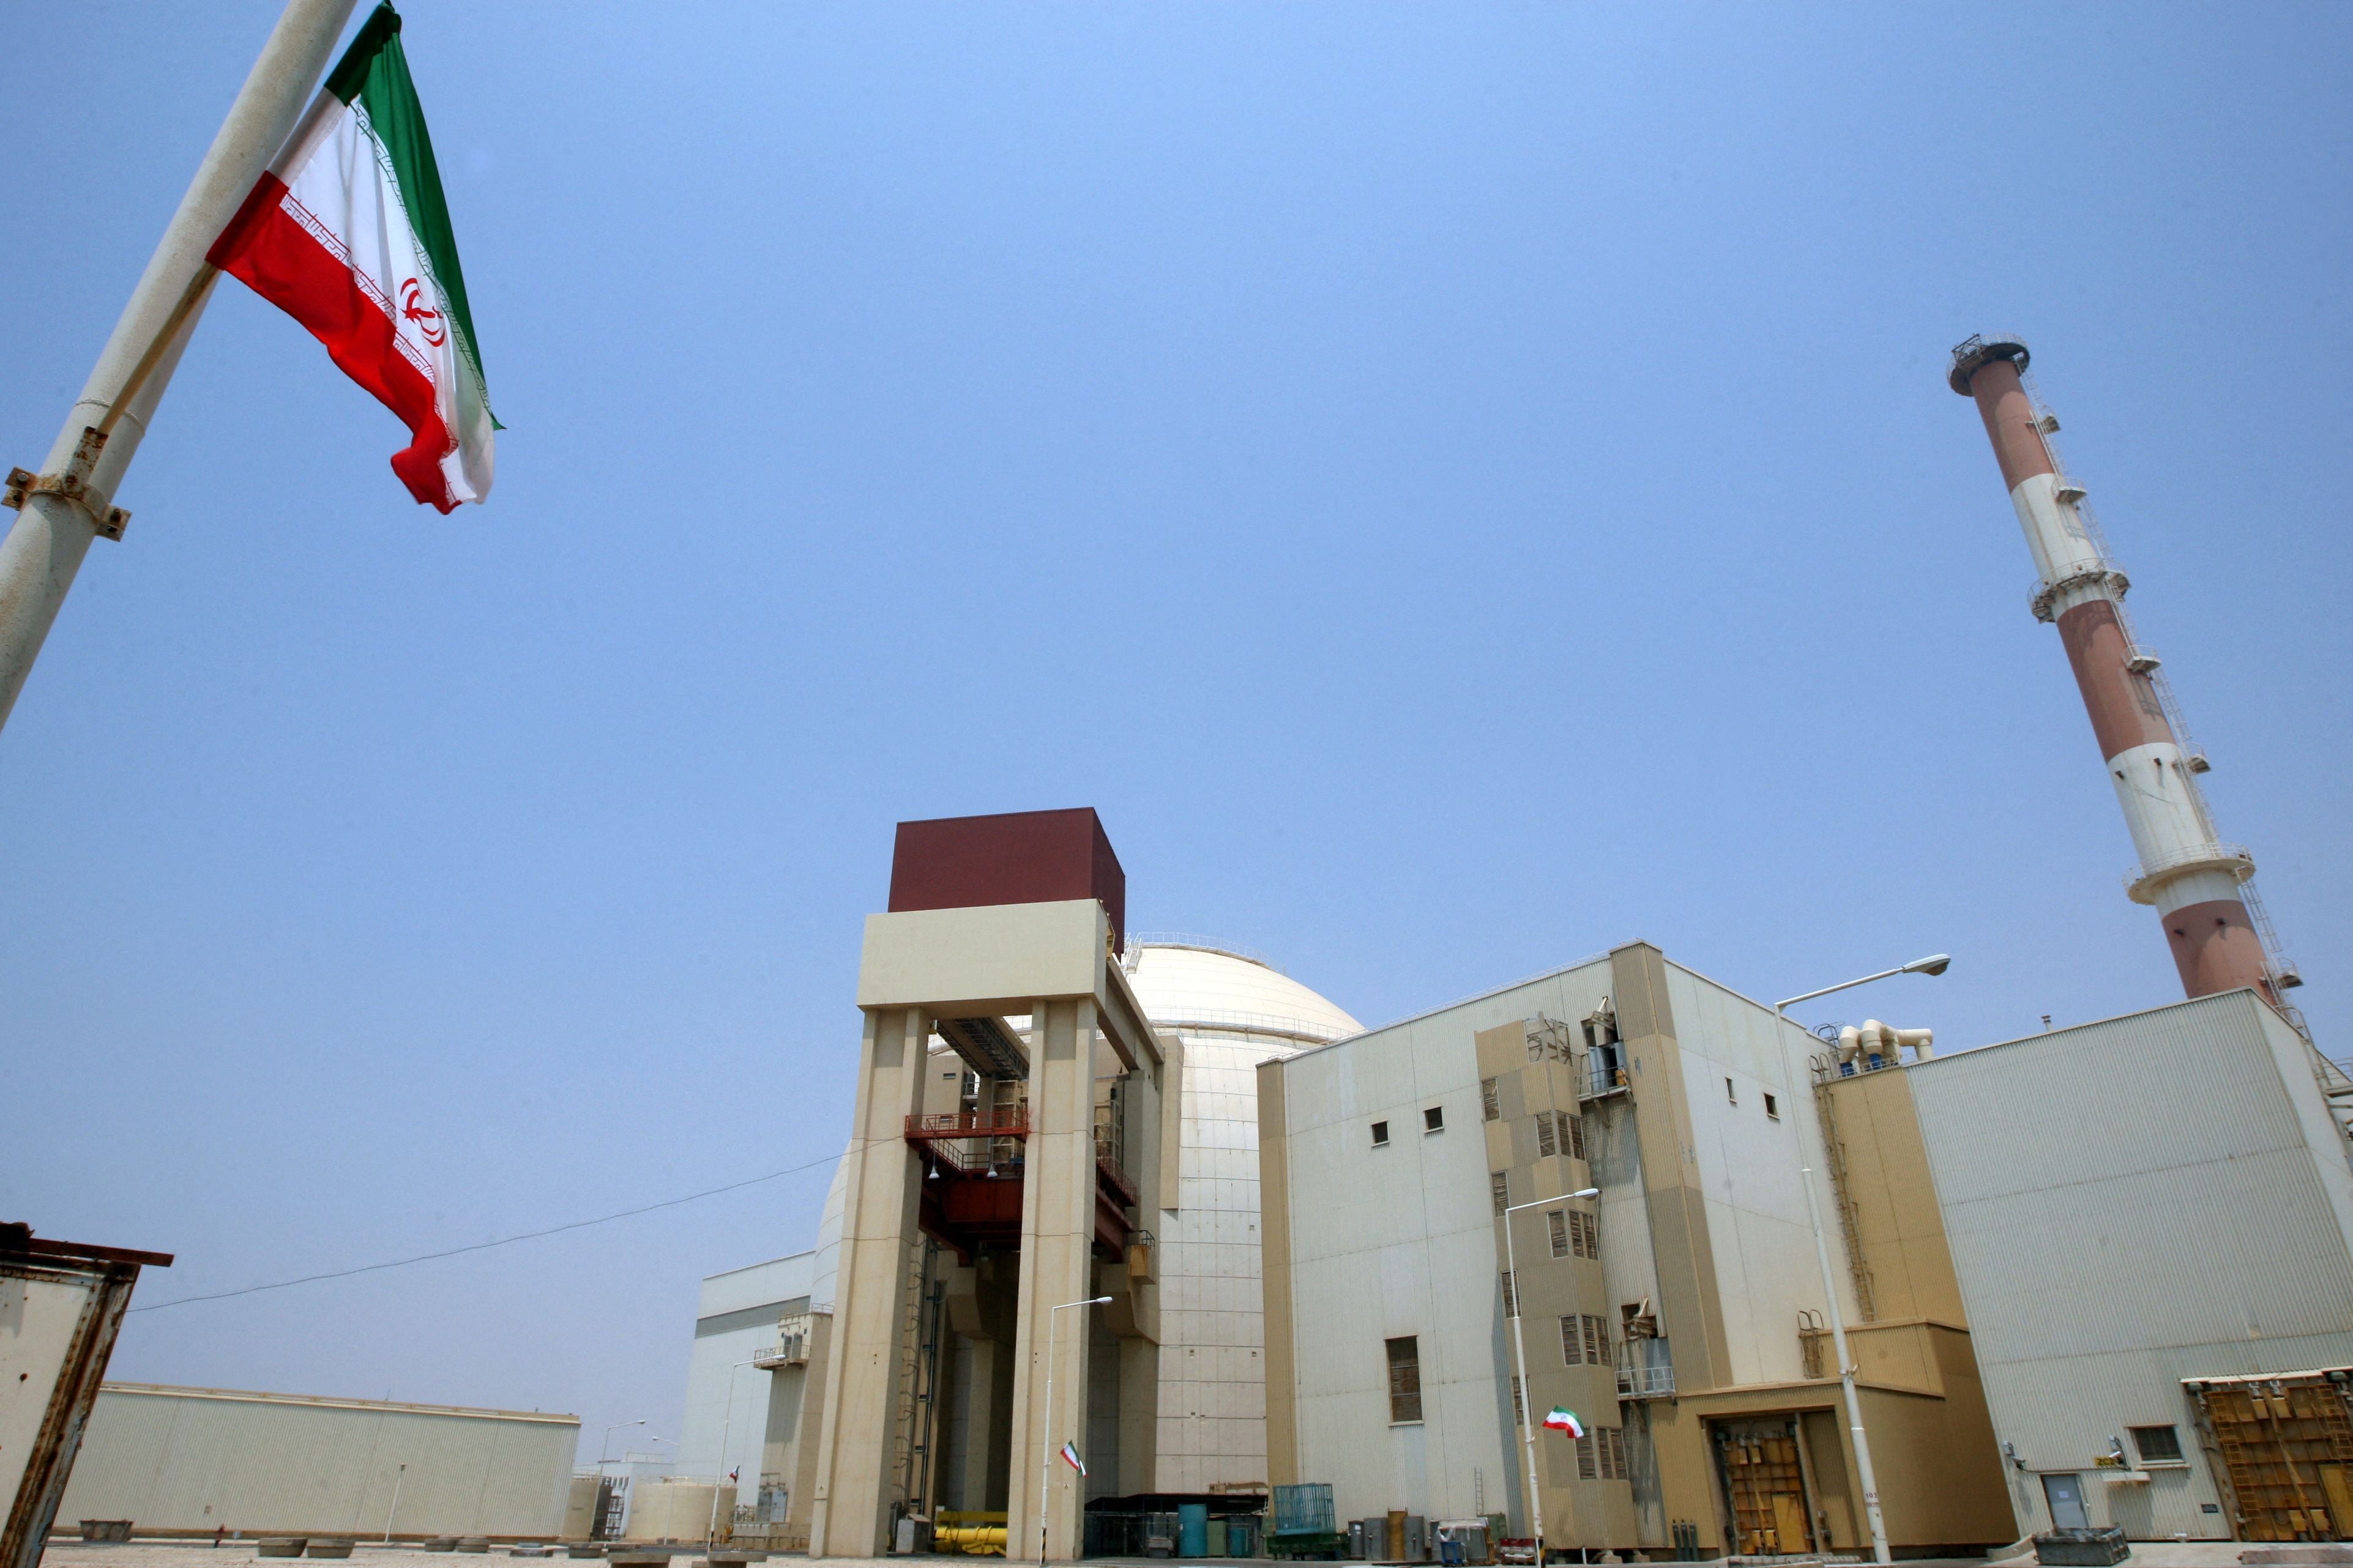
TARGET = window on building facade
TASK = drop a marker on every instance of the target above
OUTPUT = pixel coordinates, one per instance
(1772, 1108)
(1405, 1379)
(1729, 1097)
(1584, 1233)
(2157, 1445)
(1596, 1342)
(1572, 1351)
(1434, 1120)
(1489, 1107)
(1380, 1134)
(1576, 1125)
(1547, 1144)
(1519, 1410)
(1511, 1295)
(1613, 1453)
(1499, 1188)
(1585, 1469)
(1557, 1220)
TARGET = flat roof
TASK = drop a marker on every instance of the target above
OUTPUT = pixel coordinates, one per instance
(329, 1402)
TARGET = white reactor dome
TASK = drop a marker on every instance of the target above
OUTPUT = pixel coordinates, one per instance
(1189, 985)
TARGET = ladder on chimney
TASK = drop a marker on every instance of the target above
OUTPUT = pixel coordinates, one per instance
(1849, 1227)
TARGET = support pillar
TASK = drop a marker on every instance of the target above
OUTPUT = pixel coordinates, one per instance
(1058, 1204)
(850, 1509)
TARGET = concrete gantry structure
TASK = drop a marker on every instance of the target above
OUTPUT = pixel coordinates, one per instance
(2200, 885)
(981, 1193)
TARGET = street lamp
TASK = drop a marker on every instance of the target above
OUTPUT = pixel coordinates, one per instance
(603, 1447)
(1936, 963)
(1520, 1354)
(395, 1503)
(725, 1427)
(1046, 1470)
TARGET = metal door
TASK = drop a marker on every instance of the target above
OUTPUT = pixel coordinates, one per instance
(1763, 1480)
(2065, 1496)
(2287, 1450)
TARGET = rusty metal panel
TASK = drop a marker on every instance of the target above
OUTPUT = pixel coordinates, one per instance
(61, 1306)
(2286, 1447)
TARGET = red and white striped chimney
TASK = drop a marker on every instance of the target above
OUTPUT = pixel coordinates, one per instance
(2199, 887)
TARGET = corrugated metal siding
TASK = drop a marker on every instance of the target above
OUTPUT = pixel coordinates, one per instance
(2131, 1202)
(195, 1460)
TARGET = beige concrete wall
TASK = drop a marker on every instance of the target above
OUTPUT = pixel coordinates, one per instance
(200, 1459)
(1691, 1311)
(1940, 1484)
(1274, 1240)
(1897, 1221)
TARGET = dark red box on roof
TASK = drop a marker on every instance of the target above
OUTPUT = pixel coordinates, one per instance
(1013, 858)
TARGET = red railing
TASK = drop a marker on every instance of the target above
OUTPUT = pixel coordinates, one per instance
(968, 1124)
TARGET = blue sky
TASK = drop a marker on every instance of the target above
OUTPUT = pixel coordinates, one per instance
(1456, 487)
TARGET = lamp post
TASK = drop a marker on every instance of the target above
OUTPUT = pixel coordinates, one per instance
(1520, 1355)
(396, 1479)
(725, 1427)
(604, 1446)
(1046, 1470)
(1935, 965)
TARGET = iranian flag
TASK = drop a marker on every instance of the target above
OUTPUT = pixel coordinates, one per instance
(1564, 1419)
(347, 232)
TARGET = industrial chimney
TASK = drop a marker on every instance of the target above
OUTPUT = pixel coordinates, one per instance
(2200, 887)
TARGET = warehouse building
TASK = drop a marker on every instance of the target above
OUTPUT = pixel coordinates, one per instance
(1676, 1316)
(744, 1382)
(2151, 1218)
(194, 1461)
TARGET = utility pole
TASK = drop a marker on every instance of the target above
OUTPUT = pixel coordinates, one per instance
(69, 503)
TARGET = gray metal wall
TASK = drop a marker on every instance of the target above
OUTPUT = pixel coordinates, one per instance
(197, 1459)
(2130, 1203)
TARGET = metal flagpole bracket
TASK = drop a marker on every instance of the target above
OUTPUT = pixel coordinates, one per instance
(73, 486)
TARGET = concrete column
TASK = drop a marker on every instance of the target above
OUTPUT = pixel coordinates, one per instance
(1057, 1202)
(850, 1513)
(979, 1393)
(1139, 1416)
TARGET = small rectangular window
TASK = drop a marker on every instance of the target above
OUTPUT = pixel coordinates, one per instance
(1547, 1145)
(1499, 1188)
(1772, 1108)
(1584, 1233)
(1511, 1295)
(1585, 1471)
(1558, 1221)
(1576, 1125)
(1380, 1134)
(1434, 1120)
(2157, 1445)
(1730, 1097)
(1519, 1408)
(1613, 1454)
(1571, 1351)
(1489, 1106)
(1596, 1342)
(1405, 1379)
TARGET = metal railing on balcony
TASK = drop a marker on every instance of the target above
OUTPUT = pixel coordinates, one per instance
(1645, 1370)
(1603, 1076)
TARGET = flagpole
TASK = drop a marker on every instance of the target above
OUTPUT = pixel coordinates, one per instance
(69, 503)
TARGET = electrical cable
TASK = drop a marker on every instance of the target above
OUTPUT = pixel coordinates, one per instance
(485, 1246)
